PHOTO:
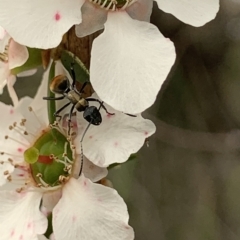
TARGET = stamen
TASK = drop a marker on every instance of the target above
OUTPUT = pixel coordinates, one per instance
(15, 140)
(9, 154)
(44, 184)
(18, 130)
(39, 121)
(63, 179)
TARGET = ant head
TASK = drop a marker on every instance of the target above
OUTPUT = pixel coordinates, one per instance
(92, 115)
(60, 84)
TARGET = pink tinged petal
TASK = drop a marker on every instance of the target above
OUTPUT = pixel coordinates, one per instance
(12, 93)
(93, 19)
(115, 139)
(129, 63)
(51, 198)
(20, 216)
(195, 13)
(90, 211)
(39, 24)
(17, 54)
(5, 170)
(4, 39)
(4, 73)
(140, 10)
(93, 172)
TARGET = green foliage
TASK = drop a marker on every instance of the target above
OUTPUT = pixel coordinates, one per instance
(81, 72)
(34, 61)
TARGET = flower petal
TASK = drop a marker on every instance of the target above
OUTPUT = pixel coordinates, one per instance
(4, 38)
(17, 54)
(93, 19)
(195, 13)
(20, 216)
(50, 199)
(115, 139)
(42, 237)
(4, 73)
(130, 60)
(90, 211)
(12, 93)
(41, 23)
(93, 172)
(141, 10)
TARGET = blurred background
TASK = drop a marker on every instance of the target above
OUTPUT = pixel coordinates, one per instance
(186, 184)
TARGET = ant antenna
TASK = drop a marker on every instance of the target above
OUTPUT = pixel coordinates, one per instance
(84, 133)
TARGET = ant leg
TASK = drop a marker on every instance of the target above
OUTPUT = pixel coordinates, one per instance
(53, 98)
(96, 100)
(82, 147)
(70, 118)
(131, 115)
(84, 133)
(56, 114)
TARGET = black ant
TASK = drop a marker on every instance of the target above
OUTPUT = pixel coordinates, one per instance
(61, 85)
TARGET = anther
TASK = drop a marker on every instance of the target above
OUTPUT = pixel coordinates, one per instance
(39, 175)
(6, 172)
(63, 179)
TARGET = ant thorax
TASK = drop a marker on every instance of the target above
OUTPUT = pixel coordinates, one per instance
(73, 96)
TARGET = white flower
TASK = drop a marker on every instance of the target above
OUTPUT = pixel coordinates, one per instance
(12, 55)
(130, 60)
(85, 210)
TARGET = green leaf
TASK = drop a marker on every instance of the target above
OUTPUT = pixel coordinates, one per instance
(51, 105)
(132, 157)
(34, 61)
(81, 72)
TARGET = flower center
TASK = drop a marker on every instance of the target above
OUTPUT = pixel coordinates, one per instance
(50, 159)
(4, 55)
(113, 4)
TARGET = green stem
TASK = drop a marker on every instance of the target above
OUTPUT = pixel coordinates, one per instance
(51, 105)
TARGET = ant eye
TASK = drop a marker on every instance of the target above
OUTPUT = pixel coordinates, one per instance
(92, 115)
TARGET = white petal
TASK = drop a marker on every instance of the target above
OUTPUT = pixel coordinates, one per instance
(115, 139)
(4, 39)
(20, 216)
(4, 73)
(42, 237)
(12, 93)
(93, 172)
(51, 198)
(10, 145)
(93, 19)
(17, 54)
(90, 211)
(90, 170)
(27, 73)
(39, 23)
(130, 60)
(193, 12)
(140, 10)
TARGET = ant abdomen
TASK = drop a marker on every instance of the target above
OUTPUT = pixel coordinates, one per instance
(59, 84)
